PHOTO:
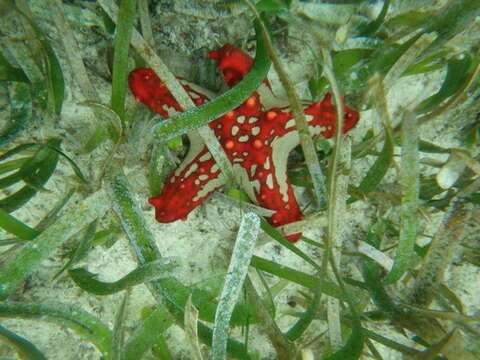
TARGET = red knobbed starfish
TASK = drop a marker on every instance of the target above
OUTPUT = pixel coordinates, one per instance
(257, 138)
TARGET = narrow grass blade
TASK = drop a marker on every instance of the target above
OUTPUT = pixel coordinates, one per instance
(296, 276)
(150, 271)
(456, 16)
(32, 254)
(237, 272)
(16, 227)
(160, 349)
(190, 326)
(82, 249)
(299, 328)
(25, 349)
(80, 321)
(11, 73)
(36, 173)
(123, 34)
(20, 112)
(55, 80)
(352, 350)
(130, 215)
(147, 334)
(52, 215)
(373, 26)
(371, 274)
(109, 121)
(159, 167)
(72, 50)
(409, 175)
(271, 231)
(11, 165)
(16, 150)
(458, 70)
(118, 329)
(73, 164)
(377, 171)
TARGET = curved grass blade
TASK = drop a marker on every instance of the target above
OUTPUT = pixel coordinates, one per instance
(35, 172)
(150, 271)
(33, 253)
(80, 321)
(20, 113)
(16, 227)
(458, 70)
(202, 115)
(236, 274)
(25, 349)
(147, 334)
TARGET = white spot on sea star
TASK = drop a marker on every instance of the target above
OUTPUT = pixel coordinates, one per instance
(235, 130)
(191, 169)
(253, 168)
(290, 123)
(269, 181)
(267, 164)
(205, 157)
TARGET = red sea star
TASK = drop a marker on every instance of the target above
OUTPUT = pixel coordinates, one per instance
(257, 138)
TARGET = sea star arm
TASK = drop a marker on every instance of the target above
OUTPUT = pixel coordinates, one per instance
(198, 175)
